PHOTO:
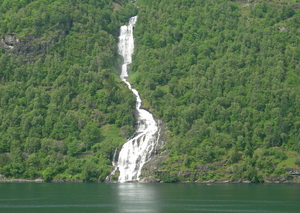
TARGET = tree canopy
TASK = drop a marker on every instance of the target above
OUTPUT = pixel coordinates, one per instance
(225, 77)
(62, 105)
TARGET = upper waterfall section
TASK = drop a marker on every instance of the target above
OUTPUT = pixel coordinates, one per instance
(126, 45)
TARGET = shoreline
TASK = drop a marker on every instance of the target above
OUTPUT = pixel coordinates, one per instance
(187, 182)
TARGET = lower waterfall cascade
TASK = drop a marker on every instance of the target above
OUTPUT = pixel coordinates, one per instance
(140, 147)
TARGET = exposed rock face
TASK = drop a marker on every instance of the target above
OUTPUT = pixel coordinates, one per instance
(282, 28)
(152, 167)
(203, 168)
(149, 179)
(11, 39)
(8, 42)
(186, 173)
(30, 46)
(2, 177)
(293, 171)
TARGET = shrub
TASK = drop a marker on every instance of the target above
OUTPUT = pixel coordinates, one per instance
(297, 162)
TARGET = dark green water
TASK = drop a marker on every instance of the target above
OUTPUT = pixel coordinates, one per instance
(155, 198)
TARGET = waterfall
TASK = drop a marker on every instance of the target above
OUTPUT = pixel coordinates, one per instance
(139, 148)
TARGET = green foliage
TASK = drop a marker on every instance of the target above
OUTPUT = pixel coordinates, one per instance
(234, 155)
(90, 171)
(224, 75)
(127, 10)
(60, 90)
(276, 153)
(4, 159)
(297, 162)
(169, 177)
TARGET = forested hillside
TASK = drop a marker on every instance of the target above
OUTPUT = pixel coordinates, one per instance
(63, 110)
(225, 77)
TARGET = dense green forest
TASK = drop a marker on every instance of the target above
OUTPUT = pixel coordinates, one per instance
(63, 110)
(223, 75)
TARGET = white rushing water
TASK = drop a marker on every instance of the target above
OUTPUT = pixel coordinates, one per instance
(139, 148)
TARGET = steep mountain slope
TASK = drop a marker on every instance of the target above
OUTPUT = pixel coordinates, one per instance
(225, 77)
(63, 110)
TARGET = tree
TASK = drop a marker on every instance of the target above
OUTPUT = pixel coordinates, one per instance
(90, 135)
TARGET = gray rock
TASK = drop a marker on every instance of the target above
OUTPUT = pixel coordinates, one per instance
(203, 168)
(11, 39)
(186, 173)
(30, 46)
(292, 171)
(149, 179)
(282, 28)
(152, 167)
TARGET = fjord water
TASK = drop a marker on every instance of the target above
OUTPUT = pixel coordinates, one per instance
(151, 198)
(139, 148)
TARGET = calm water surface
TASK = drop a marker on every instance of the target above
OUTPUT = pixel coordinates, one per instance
(154, 198)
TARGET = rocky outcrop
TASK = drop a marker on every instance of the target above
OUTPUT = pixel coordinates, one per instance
(22, 180)
(30, 46)
(203, 168)
(8, 42)
(2, 177)
(281, 28)
(293, 171)
(64, 181)
(151, 168)
(149, 179)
